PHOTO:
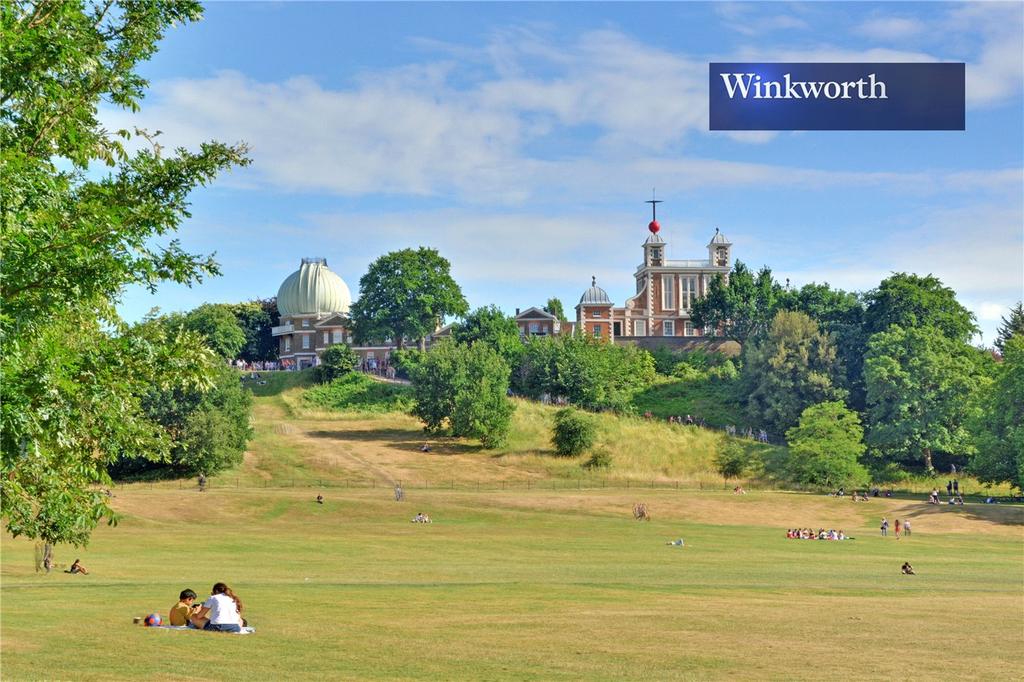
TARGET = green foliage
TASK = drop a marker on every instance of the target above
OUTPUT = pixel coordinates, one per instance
(732, 460)
(463, 389)
(208, 427)
(665, 360)
(792, 367)
(360, 393)
(913, 301)
(574, 432)
(491, 326)
(587, 372)
(713, 400)
(405, 295)
(554, 307)
(601, 459)
(1012, 326)
(744, 307)
(998, 423)
(920, 384)
(217, 324)
(257, 319)
(73, 237)
(840, 315)
(824, 449)
(336, 361)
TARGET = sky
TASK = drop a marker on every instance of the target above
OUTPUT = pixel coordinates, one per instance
(522, 139)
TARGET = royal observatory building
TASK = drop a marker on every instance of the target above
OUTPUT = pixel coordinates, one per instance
(313, 303)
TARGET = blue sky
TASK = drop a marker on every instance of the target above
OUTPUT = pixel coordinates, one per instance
(522, 139)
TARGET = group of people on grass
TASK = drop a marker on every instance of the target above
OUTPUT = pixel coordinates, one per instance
(221, 612)
(421, 518)
(821, 534)
(952, 491)
(898, 527)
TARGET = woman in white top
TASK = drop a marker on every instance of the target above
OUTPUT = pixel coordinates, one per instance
(222, 612)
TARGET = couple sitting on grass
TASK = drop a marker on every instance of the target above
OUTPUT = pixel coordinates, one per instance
(222, 612)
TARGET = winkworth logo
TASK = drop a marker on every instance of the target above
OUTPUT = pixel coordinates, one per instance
(834, 96)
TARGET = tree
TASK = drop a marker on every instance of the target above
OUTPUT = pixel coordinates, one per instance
(405, 295)
(493, 327)
(554, 307)
(998, 421)
(824, 449)
(792, 367)
(914, 301)
(336, 361)
(72, 375)
(742, 307)
(840, 315)
(920, 384)
(731, 460)
(585, 371)
(464, 390)
(257, 320)
(1011, 327)
(574, 432)
(218, 325)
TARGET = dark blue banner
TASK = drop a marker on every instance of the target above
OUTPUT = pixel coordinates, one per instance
(836, 96)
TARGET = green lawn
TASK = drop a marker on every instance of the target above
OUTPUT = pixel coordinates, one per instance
(526, 585)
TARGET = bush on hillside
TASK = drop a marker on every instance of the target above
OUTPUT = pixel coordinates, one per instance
(732, 460)
(825, 446)
(574, 432)
(335, 362)
(601, 459)
(360, 393)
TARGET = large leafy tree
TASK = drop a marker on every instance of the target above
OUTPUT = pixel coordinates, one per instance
(920, 388)
(910, 300)
(743, 306)
(825, 447)
(493, 327)
(405, 295)
(554, 307)
(257, 319)
(1011, 326)
(840, 314)
(793, 366)
(998, 423)
(73, 376)
(218, 326)
(463, 390)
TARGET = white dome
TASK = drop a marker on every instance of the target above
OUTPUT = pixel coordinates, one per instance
(313, 289)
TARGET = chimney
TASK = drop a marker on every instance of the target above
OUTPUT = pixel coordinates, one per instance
(517, 312)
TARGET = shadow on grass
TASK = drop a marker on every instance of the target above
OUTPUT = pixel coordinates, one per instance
(402, 439)
(1004, 514)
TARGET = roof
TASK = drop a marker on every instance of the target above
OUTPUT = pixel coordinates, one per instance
(313, 289)
(654, 238)
(595, 295)
(719, 238)
(536, 313)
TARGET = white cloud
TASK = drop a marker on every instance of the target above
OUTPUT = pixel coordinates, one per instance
(746, 19)
(890, 28)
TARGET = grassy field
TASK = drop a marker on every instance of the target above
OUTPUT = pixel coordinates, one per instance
(515, 585)
(542, 582)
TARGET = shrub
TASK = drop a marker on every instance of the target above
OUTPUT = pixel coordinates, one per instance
(825, 446)
(574, 432)
(601, 459)
(336, 362)
(359, 392)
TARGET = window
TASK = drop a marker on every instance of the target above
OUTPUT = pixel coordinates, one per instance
(287, 344)
(688, 329)
(689, 292)
(597, 331)
(305, 342)
(305, 324)
(327, 338)
(668, 292)
(640, 328)
(596, 313)
(534, 327)
(668, 328)
(336, 336)
(617, 329)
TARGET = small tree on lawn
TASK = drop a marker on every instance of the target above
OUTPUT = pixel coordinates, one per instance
(825, 446)
(731, 460)
(336, 361)
(574, 432)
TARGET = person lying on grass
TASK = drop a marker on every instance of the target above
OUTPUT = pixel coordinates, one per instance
(182, 612)
(222, 612)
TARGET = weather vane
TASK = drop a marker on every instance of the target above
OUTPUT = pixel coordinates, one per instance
(654, 205)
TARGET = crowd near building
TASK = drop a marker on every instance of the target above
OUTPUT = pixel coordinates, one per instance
(314, 304)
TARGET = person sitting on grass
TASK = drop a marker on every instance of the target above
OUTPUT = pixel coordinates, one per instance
(182, 612)
(907, 568)
(77, 567)
(222, 612)
(738, 490)
(421, 518)
(319, 499)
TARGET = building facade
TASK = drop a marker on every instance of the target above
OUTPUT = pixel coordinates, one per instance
(665, 293)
